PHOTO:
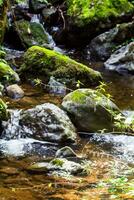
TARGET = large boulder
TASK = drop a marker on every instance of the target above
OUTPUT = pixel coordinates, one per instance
(90, 110)
(44, 62)
(122, 60)
(103, 45)
(31, 33)
(45, 122)
(86, 19)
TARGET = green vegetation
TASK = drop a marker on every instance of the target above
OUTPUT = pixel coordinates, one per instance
(87, 11)
(57, 162)
(1, 2)
(6, 72)
(3, 111)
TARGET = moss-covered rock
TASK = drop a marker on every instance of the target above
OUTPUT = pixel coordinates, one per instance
(7, 73)
(85, 19)
(3, 18)
(41, 61)
(31, 33)
(84, 12)
(90, 110)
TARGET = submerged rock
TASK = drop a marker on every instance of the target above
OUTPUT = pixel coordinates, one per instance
(14, 91)
(31, 33)
(55, 87)
(103, 45)
(58, 166)
(122, 60)
(44, 62)
(45, 122)
(90, 110)
(65, 152)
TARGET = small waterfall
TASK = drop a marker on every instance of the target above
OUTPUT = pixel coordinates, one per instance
(11, 127)
(52, 45)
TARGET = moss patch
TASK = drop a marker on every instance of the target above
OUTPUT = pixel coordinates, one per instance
(85, 11)
(41, 61)
(6, 72)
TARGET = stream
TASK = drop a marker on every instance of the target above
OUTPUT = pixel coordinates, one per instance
(108, 158)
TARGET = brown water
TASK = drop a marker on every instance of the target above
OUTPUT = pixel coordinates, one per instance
(110, 157)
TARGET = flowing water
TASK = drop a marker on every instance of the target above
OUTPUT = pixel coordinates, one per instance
(111, 156)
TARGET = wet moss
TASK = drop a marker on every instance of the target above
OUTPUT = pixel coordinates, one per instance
(42, 61)
(87, 11)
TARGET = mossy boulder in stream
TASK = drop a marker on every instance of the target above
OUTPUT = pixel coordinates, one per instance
(90, 110)
(86, 19)
(3, 18)
(31, 33)
(44, 62)
(7, 74)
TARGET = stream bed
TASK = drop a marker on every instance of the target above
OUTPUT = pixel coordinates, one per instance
(109, 158)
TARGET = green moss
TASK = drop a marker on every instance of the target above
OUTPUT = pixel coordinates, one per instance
(6, 72)
(78, 97)
(81, 97)
(57, 162)
(42, 61)
(31, 33)
(87, 11)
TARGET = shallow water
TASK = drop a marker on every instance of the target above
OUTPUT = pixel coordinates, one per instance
(111, 156)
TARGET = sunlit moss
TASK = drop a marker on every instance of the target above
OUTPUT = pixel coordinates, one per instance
(85, 11)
